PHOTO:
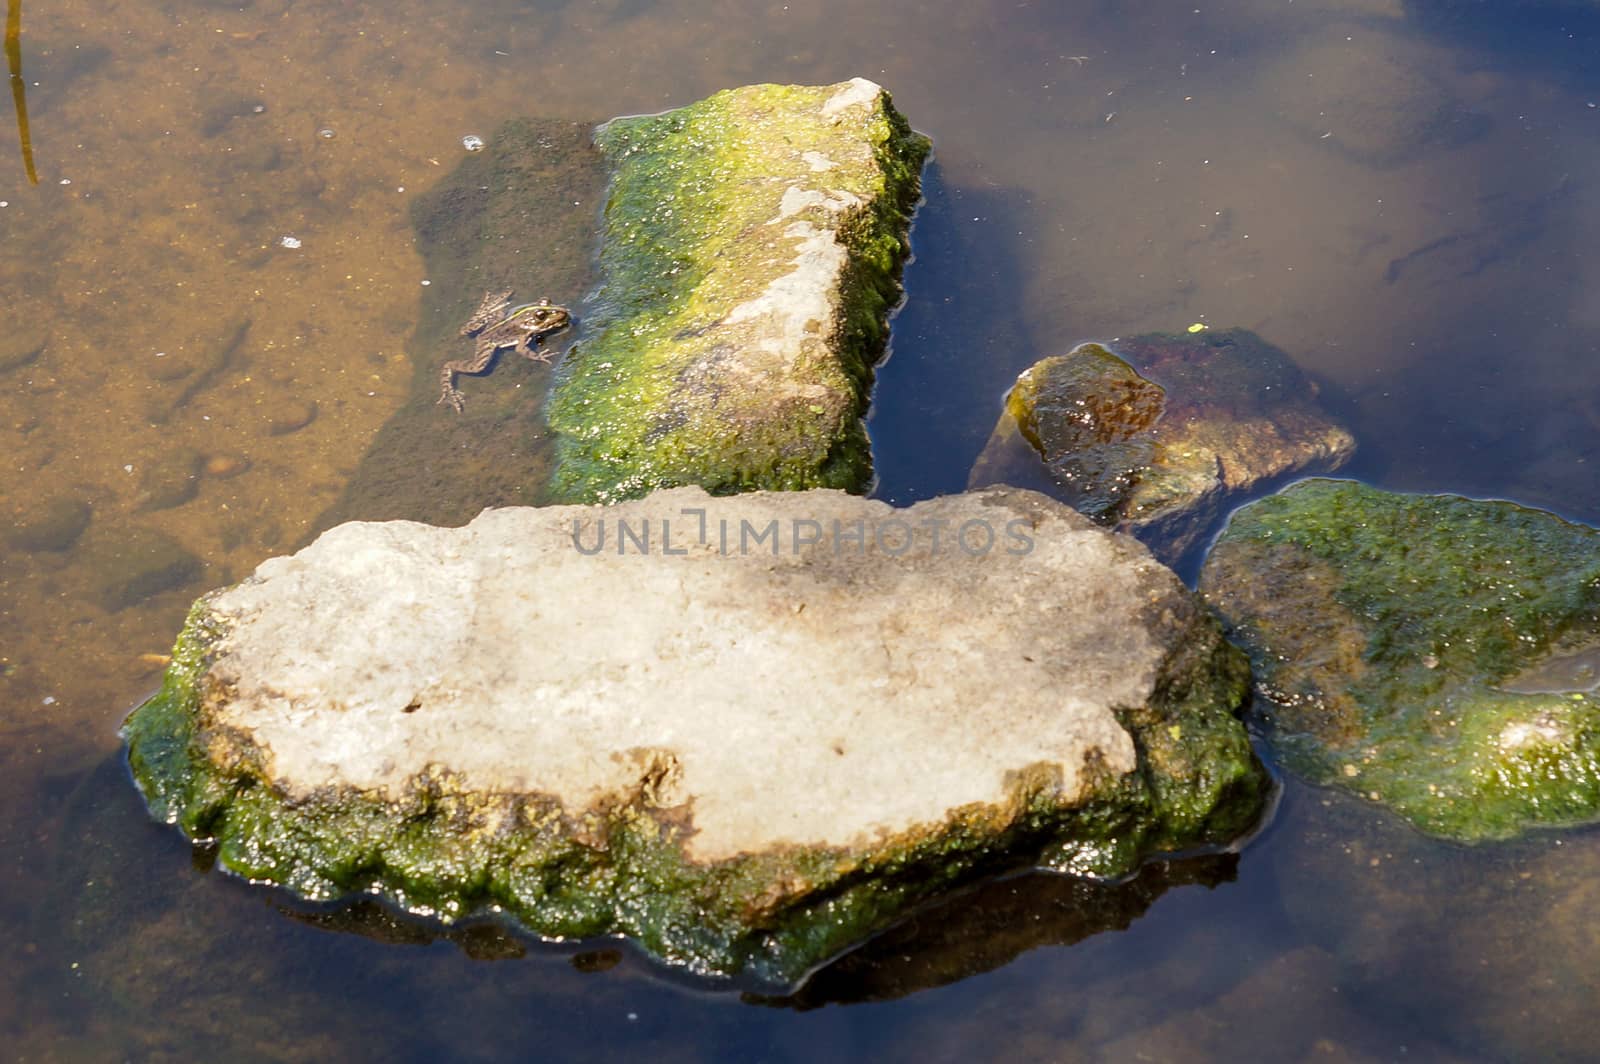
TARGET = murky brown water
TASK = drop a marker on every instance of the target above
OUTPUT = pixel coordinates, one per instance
(1401, 200)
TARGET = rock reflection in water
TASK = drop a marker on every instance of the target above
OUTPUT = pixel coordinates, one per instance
(480, 940)
(991, 926)
(974, 932)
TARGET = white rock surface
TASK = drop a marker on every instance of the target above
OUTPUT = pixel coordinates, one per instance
(828, 694)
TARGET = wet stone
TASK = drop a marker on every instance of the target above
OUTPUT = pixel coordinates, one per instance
(126, 565)
(21, 343)
(171, 480)
(224, 465)
(746, 757)
(187, 372)
(1430, 653)
(52, 525)
(290, 415)
(1161, 446)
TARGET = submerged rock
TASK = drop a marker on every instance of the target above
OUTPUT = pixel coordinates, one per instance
(52, 525)
(1432, 653)
(24, 340)
(1156, 451)
(170, 479)
(1505, 935)
(747, 731)
(1367, 93)
(752, 251)
(123, 567)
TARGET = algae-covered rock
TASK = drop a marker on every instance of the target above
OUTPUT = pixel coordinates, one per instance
(747, 731)
(1432, 653)
(1158, 450)
(751, 253)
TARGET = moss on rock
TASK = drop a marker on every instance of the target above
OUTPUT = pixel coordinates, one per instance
(752, 251)
(1406, 642)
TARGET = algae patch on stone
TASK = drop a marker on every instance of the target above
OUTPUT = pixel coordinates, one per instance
(751, 254)
(746, 753)
(1426, 652)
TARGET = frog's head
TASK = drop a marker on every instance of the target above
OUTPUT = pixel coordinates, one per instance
(541, 317)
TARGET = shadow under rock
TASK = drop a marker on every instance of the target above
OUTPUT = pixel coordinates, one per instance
(520, 215)
(992, 925)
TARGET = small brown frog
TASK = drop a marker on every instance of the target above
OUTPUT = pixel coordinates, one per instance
(497, 324)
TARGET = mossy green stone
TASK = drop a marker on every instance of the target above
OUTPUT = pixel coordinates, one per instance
(1406, 644)
(751, 255)
(1128, 676)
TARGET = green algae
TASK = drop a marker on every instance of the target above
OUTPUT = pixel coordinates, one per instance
(1388, 632)
(661, 391)
(446, 851)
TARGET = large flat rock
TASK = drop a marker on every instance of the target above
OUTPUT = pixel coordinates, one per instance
(747, 730)
(751, 254)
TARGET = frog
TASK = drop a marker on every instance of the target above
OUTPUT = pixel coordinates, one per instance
(496, 325)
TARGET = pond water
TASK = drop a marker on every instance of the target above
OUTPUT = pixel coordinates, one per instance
(209, 302)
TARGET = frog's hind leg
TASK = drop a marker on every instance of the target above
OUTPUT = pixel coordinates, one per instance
(481, 357)
(448, 393)
(491, 310)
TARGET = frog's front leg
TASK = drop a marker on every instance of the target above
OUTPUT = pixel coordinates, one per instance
(481, 357)
(525, 347)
